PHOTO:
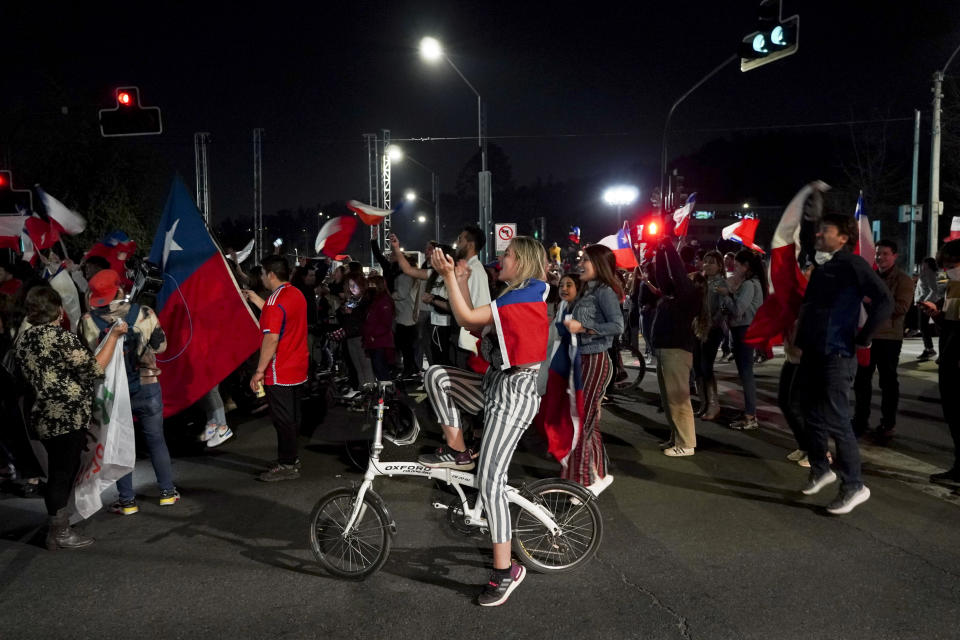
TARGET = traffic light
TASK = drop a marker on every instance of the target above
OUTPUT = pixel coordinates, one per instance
(13, 200)
(774, 38)
(652, 230)
(539, 228)
(129, 117)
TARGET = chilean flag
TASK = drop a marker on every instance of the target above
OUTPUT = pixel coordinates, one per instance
(865, 247)
(10, 229)
(776, 315)
(335, 235)
(371, 216)
(115, 248)
(561, 410)
(743, 232)
(622, 249)
(522, 326)
(681, 217)
(209, 326)
(42, 233)
(954, 229)
(62, 219)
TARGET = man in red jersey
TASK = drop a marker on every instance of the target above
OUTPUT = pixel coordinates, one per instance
(282, 368)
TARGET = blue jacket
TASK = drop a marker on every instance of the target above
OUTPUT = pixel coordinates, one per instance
(831, 306)
(598, 309)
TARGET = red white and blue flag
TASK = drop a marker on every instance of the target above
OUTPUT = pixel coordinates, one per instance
(622, 249)
(779, 311)
(371, 216)
(335, 235)
(522, 326)
(865, 247)
(743, 232)
(681, 217)
(561, 409)
(199, 299)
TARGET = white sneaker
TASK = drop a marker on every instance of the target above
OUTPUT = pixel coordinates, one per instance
(815, 484)
(797, 455)
(678, 452)
(208, 432)
(220, 436)
(598, 487)
(847, 500)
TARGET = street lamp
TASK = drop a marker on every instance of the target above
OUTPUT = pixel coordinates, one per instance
(432, 51)
(434, 185)
(421, 218)
(410, 195)
(395, 153)
(620, 196)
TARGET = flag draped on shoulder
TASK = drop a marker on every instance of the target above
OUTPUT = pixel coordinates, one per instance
(777, 314)
(622, 249)
(681, 217)
(865, 247)
(209, 326)
(561, 409)
(522, 326)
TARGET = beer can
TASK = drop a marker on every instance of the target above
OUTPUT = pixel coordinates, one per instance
(260, 391)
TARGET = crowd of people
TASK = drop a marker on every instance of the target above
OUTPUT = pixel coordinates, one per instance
(480, 338)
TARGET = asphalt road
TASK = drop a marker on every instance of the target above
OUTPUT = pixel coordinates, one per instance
(718, 545)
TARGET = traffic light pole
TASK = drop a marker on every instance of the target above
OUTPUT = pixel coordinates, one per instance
(666, 126)
(935, 157)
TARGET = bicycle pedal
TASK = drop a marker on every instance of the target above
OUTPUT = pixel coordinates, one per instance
(440, 505)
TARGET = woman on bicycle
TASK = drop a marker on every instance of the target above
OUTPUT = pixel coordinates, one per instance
(598, 320)
(515, 329)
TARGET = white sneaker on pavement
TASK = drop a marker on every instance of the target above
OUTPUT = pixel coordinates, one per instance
(679, 452)
(598, 487)
(815, 484)
(847, 500)
(220, 436)
(208, 432)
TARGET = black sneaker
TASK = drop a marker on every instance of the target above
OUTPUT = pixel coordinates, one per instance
(281, 471)
(125, 508)
(848, 499)
(447, 458)
(498, 589)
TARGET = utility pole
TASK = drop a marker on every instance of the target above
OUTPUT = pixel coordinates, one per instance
(913, 190)
(257, 196)
(935, 203)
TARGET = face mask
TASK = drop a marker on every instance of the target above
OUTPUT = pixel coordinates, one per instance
(823, 257)
(954, 273)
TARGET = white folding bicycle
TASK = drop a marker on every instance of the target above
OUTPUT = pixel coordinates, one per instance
(556, 523)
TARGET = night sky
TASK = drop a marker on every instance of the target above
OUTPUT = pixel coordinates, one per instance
(570, 93)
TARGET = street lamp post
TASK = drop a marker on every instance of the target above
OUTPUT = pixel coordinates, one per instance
(620, 196)
(432, 51)
(396, 153)
(934, 214)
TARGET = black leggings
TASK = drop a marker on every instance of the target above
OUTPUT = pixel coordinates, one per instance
(63, 462)
(790, 401)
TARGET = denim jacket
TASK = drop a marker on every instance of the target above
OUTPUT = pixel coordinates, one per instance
(598, 309)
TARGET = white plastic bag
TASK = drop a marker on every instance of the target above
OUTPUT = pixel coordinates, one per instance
(112, 453)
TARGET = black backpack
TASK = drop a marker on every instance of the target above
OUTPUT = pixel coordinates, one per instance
(131, 345)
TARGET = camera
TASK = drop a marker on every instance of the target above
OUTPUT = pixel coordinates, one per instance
(147, 279)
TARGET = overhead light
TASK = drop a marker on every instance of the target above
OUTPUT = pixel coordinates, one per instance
(430, 49)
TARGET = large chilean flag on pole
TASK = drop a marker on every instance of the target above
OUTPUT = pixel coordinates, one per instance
(210, 329)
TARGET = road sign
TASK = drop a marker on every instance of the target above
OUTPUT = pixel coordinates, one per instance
(504, 233)
(904, 213)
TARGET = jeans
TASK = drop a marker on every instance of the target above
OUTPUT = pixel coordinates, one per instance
(743, 355)
(284, 404)
(884, 358)
(826, 400)
(378, 361)
(360, 360)
(213, 406)
(926, 330)
(705, 353)
(790, 401)
(148, 409)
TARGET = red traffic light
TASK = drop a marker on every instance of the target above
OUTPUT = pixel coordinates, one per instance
(3, 180)
(124, 98)
(652, 228)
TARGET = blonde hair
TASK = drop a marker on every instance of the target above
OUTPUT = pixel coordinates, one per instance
(531, 260)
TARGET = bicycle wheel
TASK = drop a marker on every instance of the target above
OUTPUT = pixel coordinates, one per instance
(581, 528)
(361, 552)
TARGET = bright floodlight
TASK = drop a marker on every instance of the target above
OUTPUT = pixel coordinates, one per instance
(430, 49)
(410, 195)
(394, 153)
(421, 219)
(746, 205)
(621, 195)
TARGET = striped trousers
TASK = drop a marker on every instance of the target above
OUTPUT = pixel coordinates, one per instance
(510, 401)
(588, 460)
(450, 390)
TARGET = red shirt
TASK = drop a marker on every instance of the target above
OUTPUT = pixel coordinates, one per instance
(285, 314)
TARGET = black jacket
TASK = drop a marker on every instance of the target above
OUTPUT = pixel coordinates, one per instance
(680, 304)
